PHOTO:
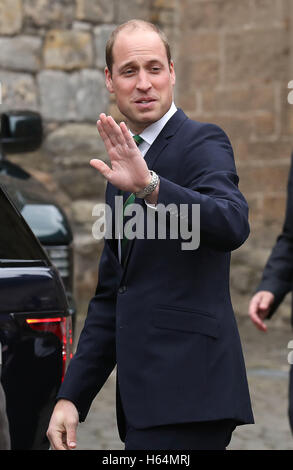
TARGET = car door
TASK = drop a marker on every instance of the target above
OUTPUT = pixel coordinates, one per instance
(35, 329)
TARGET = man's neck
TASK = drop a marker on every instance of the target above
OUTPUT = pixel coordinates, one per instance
(152, 131)
(162, 120)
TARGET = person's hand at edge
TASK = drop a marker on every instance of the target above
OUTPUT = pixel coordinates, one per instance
(62, 427)
(259, 308)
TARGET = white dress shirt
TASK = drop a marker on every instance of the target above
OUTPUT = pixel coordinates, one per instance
(150, 134)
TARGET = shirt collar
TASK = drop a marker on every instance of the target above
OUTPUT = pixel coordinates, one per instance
(150, 133)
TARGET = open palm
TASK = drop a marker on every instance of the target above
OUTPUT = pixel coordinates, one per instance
(129, 171)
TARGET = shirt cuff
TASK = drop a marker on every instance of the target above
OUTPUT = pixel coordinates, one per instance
(152, 206)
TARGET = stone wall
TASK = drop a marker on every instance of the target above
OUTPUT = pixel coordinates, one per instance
(52, 61)
(232, 59)
(235, 63)
(237, 55)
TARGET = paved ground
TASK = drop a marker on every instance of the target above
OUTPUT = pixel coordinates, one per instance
(267, 366)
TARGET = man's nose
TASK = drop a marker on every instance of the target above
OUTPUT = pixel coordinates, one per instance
(143, 82)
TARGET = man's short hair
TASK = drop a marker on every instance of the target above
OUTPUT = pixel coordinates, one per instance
(132, 25)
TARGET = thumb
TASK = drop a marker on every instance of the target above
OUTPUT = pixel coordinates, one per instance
(71, 436)
(101, 167)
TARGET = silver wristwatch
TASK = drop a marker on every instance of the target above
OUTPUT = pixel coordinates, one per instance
(150, 187)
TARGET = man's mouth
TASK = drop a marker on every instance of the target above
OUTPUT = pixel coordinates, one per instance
(145, 100)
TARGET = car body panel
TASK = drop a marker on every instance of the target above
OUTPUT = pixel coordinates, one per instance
(34, 329)
(31, 289)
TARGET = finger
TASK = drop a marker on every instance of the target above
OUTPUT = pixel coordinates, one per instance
(253, 306)
(56, 440)
(71, 436)
(113, 138)
(116, 133)
(127, 136)
(111, 129)
(254, 313)
(259, 323)
(106, 139)
(102, 168)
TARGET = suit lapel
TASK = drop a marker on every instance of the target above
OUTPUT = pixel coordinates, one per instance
(163, 138)
(154, 152)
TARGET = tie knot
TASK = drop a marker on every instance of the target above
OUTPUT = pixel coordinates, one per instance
(137, 139)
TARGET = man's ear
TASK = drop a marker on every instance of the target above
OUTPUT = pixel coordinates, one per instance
(108, 80)
(172, 72)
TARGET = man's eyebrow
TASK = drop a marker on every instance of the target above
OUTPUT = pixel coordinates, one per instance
(127, 64)
(133, 63)
(155, 61)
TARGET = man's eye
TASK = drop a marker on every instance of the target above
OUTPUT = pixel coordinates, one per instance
(156, 69)
(128, 71)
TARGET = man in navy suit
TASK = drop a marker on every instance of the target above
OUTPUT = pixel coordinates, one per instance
(162, 313)
(277, 280)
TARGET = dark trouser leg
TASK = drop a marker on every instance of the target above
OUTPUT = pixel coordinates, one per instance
(211, 435)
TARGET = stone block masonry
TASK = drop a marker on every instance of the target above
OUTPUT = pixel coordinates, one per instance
(52, 61)
(233, 65)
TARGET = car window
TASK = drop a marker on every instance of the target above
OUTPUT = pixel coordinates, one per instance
(16, 240)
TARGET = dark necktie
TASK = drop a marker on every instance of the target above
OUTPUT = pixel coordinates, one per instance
(137, 139)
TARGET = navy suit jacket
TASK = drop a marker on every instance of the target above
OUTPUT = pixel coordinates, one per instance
(278, 273)
(166, 318)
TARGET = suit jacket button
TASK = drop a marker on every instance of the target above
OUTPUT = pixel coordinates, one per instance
(122, 289)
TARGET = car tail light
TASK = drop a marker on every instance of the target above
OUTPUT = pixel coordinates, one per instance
(62, 328)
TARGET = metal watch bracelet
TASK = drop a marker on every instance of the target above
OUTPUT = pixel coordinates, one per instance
(150, 187)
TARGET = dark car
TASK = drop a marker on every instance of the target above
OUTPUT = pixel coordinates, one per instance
(37, 304)
(21, 131)
(35, 329)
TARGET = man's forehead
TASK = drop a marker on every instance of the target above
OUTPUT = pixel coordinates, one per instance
(138, 39)
(146, 43)
(143, 31)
